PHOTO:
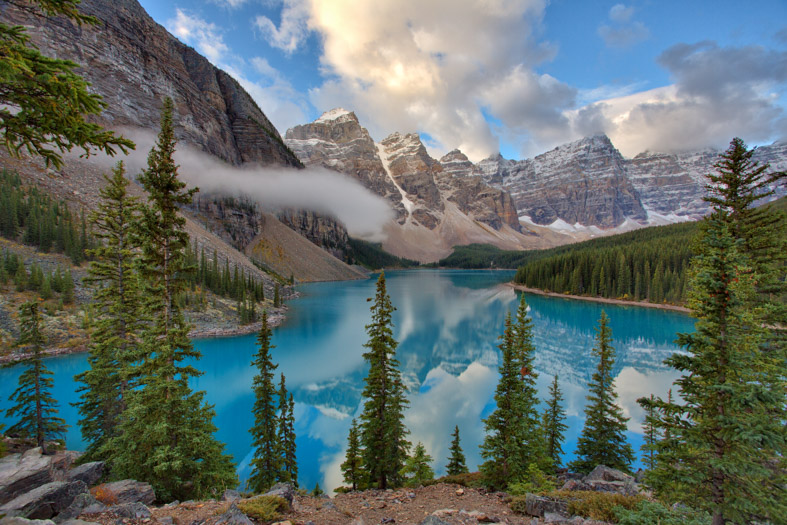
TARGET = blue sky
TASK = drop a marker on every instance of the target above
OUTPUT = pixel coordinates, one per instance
(516, 76)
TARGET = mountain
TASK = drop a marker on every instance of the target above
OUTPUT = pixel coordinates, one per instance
(133, 63)
(437, 204)
(589, 183)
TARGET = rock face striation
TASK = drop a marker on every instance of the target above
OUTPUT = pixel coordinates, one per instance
(436, 203)
(133, 63)
(589, 182)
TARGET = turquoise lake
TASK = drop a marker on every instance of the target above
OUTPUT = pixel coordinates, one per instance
(447, 323)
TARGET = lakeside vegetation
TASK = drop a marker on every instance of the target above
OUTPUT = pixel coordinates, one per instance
(372, 256)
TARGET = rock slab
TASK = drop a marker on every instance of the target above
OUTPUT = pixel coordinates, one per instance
(126, 491)
(45, 501)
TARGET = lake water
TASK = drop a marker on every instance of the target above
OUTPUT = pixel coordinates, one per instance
(447, 323)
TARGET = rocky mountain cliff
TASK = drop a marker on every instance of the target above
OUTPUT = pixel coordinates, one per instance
(133, 63)
(589, 182)
(437, 204)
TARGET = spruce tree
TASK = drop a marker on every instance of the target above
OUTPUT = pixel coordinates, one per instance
(383, 434)
(288, 470)
(34, 405)
(352, 471)
(514, 439)
(552, 423)
(603, 439)
(116, 299)
(456, 461)
(166, 433)
(265, 463)
(417, 468)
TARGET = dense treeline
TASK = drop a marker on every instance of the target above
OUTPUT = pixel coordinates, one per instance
(372, 256)
(46, 284)
(31, 216)
(479, 256)
(648, 264)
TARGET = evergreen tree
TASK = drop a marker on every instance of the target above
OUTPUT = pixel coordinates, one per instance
(265, 464)
(383, 434)
(603, 439)
(417, 468)
(34, 405)
(276, 296)
(52, 99)
(113, 344)
(514, 439)
(166, 433)
(552, 423)
(286, 436)
(456, 461)
(651, 433)
(352, 466)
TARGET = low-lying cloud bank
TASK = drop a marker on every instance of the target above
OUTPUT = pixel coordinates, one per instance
(361, 211)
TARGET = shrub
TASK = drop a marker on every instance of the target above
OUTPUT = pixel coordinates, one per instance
(535, 482)
(104, 495)
(648, 512)
(518, 504)
(596, 505)
(264, 508)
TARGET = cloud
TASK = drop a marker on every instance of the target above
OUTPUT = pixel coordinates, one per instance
(204, 36)
(361, 211)
(292, 30)
(232, 4)
(410, 66)
(282, 104)
(623, 31)
(718, 93)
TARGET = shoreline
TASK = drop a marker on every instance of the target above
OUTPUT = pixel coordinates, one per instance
(198, 333)
(605, 300)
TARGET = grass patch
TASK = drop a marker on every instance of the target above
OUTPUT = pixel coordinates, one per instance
(596, 505)
(264, 508)
(648, 512)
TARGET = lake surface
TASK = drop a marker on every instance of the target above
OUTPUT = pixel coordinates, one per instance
(447, 323)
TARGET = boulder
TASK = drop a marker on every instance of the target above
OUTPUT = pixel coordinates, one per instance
(90, 473)
(604, 473)
(573, 484)
(80, 503)
(135, 510)
(125, 491)
(45, 501)
(233, 516)
(538, 506)
(433, 520)
(230, 495)
(283, 490)
(21, 473)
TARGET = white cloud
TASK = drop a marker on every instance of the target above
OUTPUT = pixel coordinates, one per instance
(232, 4)
(204, 36)
(292, 30)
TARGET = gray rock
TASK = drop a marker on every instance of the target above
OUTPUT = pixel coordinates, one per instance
(329, 505)
(45, 501)
(130, 491)
(90, 473)
(80, 503)
(539, 505)
(134, 510)
(604, 473)
(554, 517)
(233, 516)
(433, 520)
(284, 490)
(95, 508)
(15, 520)
(21, 473)
(573, 484)
(166, 520)
(230, 495)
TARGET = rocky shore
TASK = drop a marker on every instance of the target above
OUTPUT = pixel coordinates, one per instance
(605, 300)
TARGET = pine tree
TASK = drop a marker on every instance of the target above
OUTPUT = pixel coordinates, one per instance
(603, 439)
(116, 298)
(552, 423)
(35, 407)
(166, 433)
(651, 433)
(265, 464)
(383, 434)
(456, 461)
(417, 468)
(286, 436)
(514, 439)
(352, 466)
(36, 84)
